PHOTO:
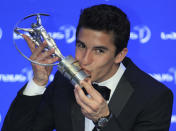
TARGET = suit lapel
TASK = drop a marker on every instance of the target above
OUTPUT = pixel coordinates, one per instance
(78, 119)
(121, 96)
(118, 101)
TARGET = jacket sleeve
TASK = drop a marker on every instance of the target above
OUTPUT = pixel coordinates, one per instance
(30, 113)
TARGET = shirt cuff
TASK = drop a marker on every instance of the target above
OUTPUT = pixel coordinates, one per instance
(32, 89)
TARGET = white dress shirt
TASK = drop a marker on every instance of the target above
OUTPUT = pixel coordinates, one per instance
(111, 83)
(33, 89)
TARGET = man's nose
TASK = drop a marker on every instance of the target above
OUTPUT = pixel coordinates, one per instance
(86, 58)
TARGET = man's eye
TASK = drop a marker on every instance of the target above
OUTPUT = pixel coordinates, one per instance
(99, 51)
(80, 45)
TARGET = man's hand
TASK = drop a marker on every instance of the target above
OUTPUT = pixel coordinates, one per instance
(93, 106)
(41, 73)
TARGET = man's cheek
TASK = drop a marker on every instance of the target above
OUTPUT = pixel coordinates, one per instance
(95, 76)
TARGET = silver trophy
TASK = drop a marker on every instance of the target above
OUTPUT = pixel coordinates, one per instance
(68, 66)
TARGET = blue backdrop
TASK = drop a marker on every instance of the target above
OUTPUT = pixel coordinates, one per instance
(152, 42)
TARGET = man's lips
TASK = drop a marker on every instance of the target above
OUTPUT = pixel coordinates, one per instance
(82, 68)
(86, 71)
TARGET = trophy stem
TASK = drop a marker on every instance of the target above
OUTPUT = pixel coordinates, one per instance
(70, 68)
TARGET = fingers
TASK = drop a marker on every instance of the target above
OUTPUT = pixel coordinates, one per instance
(50, 60)
(43, 57)
(90, 90)
(92, 107)
(30, 43)
(81, 98)
(90, 101)
(40, 55)
(37, 51)
(83, 101)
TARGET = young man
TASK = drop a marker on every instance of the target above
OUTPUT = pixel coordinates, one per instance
(137, 102)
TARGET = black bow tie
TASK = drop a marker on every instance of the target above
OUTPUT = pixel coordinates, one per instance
(103, 90)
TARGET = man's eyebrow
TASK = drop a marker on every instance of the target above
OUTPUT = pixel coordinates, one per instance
(78, 41)
(101, 47)
(96, 47)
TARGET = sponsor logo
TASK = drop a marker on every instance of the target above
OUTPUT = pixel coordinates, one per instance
(0, 33)
(170, 76)
(168, 36)
(67, 32)
(173, 119)
(141, 33)
(25, 75)
(70, 33)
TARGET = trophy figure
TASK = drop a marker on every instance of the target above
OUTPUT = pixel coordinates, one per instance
(68, 66)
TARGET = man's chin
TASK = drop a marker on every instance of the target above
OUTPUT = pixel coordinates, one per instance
(93, 79)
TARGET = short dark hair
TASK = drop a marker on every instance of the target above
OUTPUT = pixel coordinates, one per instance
(107, 18)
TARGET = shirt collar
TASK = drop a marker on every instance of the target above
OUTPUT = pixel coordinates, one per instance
(112, 82)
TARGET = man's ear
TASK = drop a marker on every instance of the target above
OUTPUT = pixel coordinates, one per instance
(121, 55)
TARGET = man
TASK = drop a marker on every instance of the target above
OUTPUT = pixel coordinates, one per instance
(137, 101)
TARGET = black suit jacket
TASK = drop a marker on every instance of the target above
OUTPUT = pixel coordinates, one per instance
(139, 103)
